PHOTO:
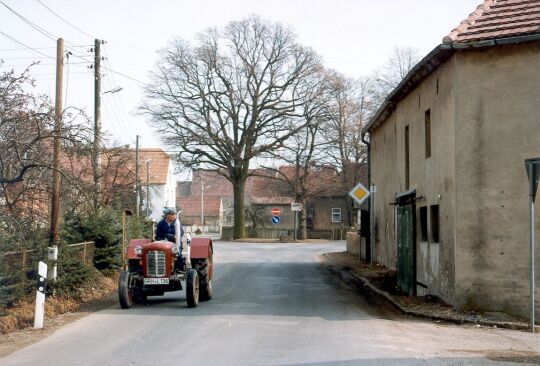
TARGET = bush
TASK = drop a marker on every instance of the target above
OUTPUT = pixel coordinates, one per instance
(105, 229)
(15, 286)
(72, 274)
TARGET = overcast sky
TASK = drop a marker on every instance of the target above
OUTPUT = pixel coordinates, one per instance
(353, 36)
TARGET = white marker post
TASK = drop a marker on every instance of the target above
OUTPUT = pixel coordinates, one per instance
(40, 296)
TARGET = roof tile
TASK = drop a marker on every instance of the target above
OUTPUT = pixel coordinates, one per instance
(498, 19)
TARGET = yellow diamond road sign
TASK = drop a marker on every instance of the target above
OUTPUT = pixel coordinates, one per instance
(359, 193)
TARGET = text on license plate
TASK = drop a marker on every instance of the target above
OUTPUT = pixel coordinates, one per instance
(156, 281)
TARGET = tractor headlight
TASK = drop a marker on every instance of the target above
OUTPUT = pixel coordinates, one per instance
(138, 250)
(174, 250)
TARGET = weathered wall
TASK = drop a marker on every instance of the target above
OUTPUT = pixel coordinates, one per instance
(497, 127)
(433, 177)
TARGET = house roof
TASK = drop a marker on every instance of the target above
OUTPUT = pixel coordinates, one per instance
(494, 22)
(191, 206)
(497, 19)
(214, 183)
(159, 165)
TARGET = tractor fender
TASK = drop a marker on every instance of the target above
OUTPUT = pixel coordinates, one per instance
(201, 248)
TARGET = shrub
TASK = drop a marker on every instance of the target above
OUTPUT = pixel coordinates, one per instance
(72, 274)
(105, 229)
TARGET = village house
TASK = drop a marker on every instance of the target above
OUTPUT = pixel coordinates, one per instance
(447, 151)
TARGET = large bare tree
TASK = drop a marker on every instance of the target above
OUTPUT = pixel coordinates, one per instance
(237, 94)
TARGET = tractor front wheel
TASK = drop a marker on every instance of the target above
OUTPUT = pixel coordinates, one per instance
(125, 294)
(192, 288)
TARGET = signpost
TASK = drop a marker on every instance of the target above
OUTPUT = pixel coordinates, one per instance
(359, 193)
(533, 172)
(296, 207)
(39, 311)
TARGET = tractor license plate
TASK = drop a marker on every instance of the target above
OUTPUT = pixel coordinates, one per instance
(156, 281)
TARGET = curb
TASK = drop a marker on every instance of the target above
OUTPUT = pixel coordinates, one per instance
(361, 282)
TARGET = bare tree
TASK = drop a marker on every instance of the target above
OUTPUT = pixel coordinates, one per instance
(303, 150)
(348, 111)
(236, 95)
(388, 77)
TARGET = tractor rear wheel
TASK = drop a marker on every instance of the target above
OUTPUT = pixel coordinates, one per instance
(192, 288)
(125, 295)
(204, 269)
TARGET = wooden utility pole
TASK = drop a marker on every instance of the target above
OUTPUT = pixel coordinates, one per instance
(137, 178)
(55, 198)
(97, 124)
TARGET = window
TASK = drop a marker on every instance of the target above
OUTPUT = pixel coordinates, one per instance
(423, 224)
(427, 131)
(336, 215)
(407, 157)
(434, 210)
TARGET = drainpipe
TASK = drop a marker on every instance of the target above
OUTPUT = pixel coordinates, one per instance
(370, 201)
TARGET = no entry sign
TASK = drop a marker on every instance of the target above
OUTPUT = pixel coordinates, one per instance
(276, 211)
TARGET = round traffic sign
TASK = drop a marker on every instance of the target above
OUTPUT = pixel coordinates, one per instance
(276, 211)
(275, 220)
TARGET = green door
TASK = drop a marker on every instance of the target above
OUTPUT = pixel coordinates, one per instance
(406, 266)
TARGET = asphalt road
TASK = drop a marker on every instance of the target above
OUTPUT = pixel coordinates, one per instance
(273, 305)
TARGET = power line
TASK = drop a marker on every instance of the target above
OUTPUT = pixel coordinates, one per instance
(25, 46)
(64, 20)
(22, 49)
(41, 30)
(35, 26)
(122, 108)
(126, 76)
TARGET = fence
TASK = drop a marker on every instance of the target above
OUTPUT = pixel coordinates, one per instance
(85, 252)
(333, 234)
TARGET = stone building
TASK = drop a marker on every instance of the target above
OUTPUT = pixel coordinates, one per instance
(447, 151)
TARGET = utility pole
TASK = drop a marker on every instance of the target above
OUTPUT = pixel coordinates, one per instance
(97, 123)
(55, 199)
(137, 179)
(202, 200)
(148, 186)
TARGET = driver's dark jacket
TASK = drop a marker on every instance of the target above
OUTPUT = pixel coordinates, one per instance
(165, 231)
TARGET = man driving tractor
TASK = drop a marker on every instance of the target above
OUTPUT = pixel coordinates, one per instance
(166, 231)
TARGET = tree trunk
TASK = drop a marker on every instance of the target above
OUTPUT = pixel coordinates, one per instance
(349, 203)
(239, 231)
(303, 221)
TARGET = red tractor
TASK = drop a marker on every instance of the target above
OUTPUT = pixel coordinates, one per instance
(151, 271)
